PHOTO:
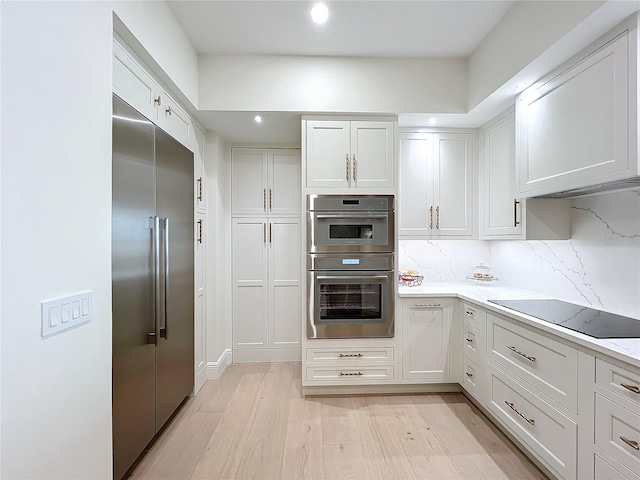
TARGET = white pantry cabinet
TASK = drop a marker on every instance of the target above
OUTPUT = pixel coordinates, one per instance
(504, 215)
(349, 154)
(199, 172)
(426, 326)
(577, 127)
(436, 185)
(265, 181)
(267, 280)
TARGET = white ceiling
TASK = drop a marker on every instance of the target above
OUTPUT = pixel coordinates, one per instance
(398, 28)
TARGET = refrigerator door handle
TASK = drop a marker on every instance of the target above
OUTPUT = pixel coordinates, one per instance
(155, 255)
(165, 281)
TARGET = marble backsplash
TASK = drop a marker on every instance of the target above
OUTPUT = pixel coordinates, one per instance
(599, 266)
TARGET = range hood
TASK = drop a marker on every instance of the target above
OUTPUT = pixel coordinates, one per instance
(625, 183)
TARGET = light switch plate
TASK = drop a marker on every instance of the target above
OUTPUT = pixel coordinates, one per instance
(66, 312)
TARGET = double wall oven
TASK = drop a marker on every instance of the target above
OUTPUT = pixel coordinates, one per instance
(350, 240)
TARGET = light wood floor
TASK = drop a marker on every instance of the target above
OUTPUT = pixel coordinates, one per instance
(254, 423)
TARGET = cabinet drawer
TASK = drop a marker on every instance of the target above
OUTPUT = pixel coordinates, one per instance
(620, 381)
(350, 355)
(473, 379)
(545, 363)
(618, 432)
(474, 314)
(548, 433)
(604, 471)
(472, 341)
(350, 375)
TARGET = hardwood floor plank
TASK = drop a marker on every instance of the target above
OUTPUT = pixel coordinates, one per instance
(214, 395)
(339, 424)
(263, 452)
(345, 461)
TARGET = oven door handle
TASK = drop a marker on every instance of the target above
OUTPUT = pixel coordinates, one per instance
(352, 277)
(350, 217)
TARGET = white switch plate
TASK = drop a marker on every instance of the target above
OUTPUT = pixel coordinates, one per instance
(66, 312)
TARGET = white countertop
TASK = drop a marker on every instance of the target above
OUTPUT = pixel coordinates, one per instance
(626, 349)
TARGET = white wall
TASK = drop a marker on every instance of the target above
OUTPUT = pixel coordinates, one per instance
(331, 84)
(599, 266)
(56, 226)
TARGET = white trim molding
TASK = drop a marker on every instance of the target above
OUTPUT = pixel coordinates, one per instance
(215, 369)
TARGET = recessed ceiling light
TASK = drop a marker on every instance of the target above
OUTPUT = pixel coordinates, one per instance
(319, 13)
(432, 121)
(258, 119)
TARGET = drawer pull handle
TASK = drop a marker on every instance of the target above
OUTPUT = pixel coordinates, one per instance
(514, 350)
(470, 313)
(633, 388)
(350, 374)
(631, 443)
(469, 374)
(349, 355)
(531, 421)
(169, 110)
(469, 340)
(427, 305)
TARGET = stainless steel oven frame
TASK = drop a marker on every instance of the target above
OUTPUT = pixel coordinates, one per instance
(351, 270)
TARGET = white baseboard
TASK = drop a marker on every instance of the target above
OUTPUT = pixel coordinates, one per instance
(268, 355)
(215, 369)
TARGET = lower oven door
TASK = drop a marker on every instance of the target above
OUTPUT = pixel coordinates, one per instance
(351, 304)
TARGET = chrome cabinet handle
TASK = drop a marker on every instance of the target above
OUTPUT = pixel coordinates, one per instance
(438, 218)
(349, 355)
(200, 231)
(169, 110)
(514, 350)
(270, 201)
(264, 199)
(270, 232)
(347, 166)
(431, 217)
(632, 443)
(470, 375)
(158, 101)
(427, 305)
(470, 312)
(350, 374)
(354, 167)
(469, 340)
(632, 388)
(515, 212)
(199, 189)
(531, 421)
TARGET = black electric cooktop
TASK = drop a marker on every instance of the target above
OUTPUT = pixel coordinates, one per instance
(589, 321)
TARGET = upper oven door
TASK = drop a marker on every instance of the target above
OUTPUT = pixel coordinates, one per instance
(350, 231)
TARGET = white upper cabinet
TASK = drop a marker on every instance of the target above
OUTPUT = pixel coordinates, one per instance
(265, 181)
(349, 154)
(577, 126)
(199, 173)
(436, 185)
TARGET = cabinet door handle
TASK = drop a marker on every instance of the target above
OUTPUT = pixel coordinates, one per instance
(514, 350)
(350, 374)
(200, 231)
(264, 233)
(264, 199)
(437, 218)
(347, 166)
(470, 375)
(270, 201)
(469, 340)
(427, 305)
(531, 421)
(431, 217)
(158, 101)
(354, 168)
(632, 388)
(199, 189)
(349, 355)
(270, 232)
(515, 212)
(169, 110)
(470, 312)
(632, 443)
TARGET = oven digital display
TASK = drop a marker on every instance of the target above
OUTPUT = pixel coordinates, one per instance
(350, 231)
(351, 261)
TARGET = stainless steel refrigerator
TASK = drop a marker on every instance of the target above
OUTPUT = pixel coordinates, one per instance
(153, 281)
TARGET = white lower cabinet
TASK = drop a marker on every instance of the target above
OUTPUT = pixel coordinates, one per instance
(549, 434)
(266, 266)
(200, 303)
(426, 346)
